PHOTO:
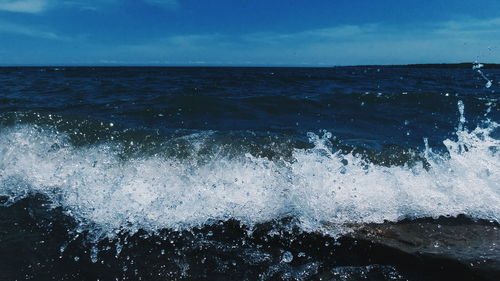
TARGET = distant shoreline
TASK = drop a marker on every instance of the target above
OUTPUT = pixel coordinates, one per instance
(436, 65)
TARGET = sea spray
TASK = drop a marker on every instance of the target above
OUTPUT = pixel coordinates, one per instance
(106, 194)
(477, 67)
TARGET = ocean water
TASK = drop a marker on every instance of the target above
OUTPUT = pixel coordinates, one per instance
(141, 173)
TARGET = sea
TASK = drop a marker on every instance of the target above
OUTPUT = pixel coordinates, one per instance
(242, 173)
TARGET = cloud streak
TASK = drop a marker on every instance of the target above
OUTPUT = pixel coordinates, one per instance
(24, 6)
(39, 6)
(12, 28)
(166, 4)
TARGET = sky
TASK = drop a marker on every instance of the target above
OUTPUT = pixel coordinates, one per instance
(248, 32)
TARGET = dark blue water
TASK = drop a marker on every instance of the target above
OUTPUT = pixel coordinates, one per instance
(354, 103)
(142, 173)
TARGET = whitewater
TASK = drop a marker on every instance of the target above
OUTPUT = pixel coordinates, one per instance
(107, 194)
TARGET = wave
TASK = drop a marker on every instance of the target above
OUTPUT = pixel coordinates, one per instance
(106, 193)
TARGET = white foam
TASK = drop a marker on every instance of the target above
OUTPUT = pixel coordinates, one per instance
(107, 194)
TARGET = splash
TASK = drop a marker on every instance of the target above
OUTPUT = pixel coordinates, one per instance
(477, 67)
(107, 194)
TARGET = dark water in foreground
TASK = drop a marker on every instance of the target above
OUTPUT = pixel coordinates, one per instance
(248, 173)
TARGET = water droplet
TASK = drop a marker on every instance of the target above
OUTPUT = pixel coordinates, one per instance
(287, 257)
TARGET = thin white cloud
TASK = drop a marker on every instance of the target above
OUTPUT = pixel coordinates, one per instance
(473, 24)
(484, 29)
(90, 5)
(336, 33)
(12, 28)
(96, 5)
(166, 4)
(24, 6)
(38, 6)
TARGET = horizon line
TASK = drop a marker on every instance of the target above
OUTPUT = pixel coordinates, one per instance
(110, 65)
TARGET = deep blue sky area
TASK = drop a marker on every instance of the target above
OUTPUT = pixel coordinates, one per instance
(248, 32)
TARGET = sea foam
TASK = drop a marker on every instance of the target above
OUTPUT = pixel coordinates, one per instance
(106, 193)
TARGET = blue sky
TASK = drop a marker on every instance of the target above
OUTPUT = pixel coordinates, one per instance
(248, 32)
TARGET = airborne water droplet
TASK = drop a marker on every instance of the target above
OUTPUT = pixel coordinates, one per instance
(287, 257)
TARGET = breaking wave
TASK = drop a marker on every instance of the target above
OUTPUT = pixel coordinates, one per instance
(106, 193)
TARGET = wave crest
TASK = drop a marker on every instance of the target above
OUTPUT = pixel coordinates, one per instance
(106, 193)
